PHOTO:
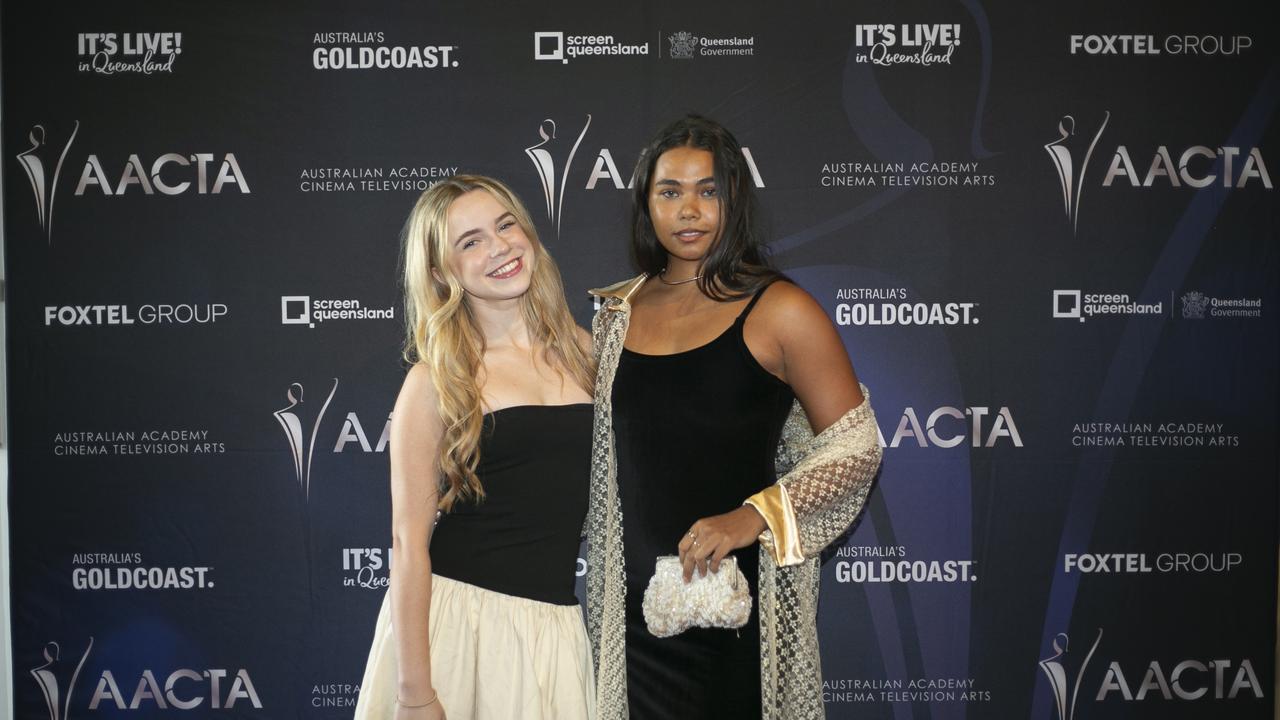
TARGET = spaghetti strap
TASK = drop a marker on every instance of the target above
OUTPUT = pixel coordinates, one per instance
(754, 299)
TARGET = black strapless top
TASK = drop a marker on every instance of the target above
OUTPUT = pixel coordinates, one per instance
(522, 539)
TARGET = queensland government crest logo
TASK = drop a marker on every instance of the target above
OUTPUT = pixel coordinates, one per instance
(682, 45)
(1194, 305)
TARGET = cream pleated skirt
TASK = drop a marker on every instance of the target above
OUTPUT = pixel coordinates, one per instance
(493, 657)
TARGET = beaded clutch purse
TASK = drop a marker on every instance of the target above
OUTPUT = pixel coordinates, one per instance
(716, 600)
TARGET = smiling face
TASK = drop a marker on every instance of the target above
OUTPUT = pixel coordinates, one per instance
(684, 205)
(489, 252)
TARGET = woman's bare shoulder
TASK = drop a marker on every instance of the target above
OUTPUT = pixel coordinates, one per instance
(786, 305)
(418, 392)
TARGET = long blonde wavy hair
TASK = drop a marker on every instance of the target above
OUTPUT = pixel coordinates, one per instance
(441, 332)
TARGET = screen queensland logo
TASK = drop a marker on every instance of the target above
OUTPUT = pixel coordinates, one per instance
(1172, 166)
(1081, 305)
(135, 53)
(562, 47)
(371, 50)
(308, 311)
(917, 44)
(558, 142)
(302, 421)
(1079, 683)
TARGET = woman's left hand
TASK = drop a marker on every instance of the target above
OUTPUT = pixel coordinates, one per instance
(710, 539)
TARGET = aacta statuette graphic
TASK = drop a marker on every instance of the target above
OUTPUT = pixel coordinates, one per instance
(545, 164)
(1057, 674)
(36, 161)
(299, 448)
(50, 685)
(1071, 174)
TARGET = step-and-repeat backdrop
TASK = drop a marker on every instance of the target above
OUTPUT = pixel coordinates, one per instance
(1046, 232)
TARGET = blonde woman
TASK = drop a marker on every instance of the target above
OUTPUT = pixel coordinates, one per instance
(491, 428)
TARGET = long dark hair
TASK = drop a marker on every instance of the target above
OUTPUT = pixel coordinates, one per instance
(737, 264)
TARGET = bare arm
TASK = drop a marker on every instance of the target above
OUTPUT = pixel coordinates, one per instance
(415, 436)
(814, 361)
(831, 451)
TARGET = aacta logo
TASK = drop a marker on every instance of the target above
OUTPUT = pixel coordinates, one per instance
(43, 165)
(56, 685)
(1071, 161)
(1197, 166)
(169, 174)
(552, 150)
(540, 154)
(1187, 680)
(948, 427)
(353, 432)
(302, 428)
(183, 689)
(1065, 693)
(301, 445)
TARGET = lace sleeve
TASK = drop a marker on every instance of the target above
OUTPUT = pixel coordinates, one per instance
(599, 328)
(824, 484)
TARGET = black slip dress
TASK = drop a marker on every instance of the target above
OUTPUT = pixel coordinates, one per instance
(696, 433)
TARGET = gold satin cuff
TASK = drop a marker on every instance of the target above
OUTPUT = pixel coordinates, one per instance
(774, 505)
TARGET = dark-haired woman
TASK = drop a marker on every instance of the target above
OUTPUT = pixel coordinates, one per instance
(728, 422)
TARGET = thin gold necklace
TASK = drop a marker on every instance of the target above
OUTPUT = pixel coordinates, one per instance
(662, 277)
